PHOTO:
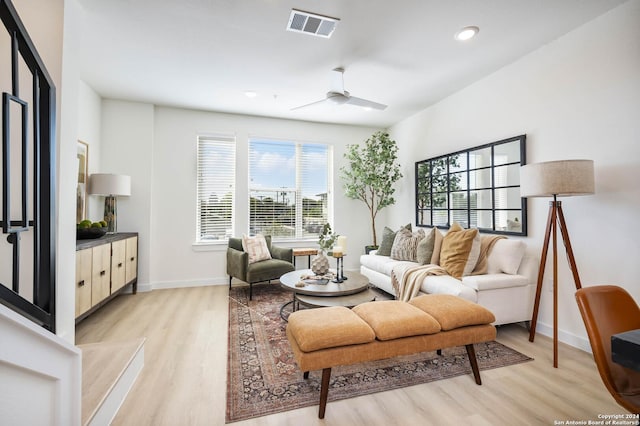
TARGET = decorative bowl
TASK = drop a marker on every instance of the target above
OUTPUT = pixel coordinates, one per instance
(90, 233)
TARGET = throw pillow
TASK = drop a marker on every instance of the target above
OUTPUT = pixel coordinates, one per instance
(405, 245)
(456, 248)
(425, 248)
(256, 247)
(437, 247)
(505, 256)
(388, 236)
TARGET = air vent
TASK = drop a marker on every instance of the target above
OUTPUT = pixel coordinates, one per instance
(312, 24)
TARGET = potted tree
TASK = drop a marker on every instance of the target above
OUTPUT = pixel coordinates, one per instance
(370, 174)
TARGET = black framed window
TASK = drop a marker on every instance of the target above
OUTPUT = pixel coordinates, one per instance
(477, 187)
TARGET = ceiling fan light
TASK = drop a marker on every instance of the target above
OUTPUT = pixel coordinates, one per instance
(466, 33)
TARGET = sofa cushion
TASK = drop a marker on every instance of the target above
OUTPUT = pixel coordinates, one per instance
(256, 247)
(446, 284)
(388, 237)
(331, 327)
(505, 256)
(392, 319)
(405, 245)
(453, 312)
(424, 252)
(494, 281)
(381, 264)
(458, 254)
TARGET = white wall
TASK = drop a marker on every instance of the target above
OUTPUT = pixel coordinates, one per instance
(157, 147)
(577, 97)
(127, 148)
(89, 132)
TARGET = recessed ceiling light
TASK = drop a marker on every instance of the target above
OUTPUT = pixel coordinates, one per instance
(466, 33)
(250, 94)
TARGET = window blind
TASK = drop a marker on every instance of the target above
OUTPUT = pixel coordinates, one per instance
(215, 188)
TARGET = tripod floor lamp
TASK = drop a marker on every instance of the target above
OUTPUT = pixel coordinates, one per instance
(555, 179)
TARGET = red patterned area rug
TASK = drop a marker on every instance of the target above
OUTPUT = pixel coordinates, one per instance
(263, 378)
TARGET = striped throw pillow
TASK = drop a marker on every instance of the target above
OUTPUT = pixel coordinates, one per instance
(405, 245)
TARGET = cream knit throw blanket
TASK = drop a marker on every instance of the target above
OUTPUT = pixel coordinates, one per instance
(406, 278)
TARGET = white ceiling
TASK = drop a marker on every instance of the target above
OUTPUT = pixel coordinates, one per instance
(204, 54)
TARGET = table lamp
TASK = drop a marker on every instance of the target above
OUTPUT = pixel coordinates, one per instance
(555, 179)
(111, 186)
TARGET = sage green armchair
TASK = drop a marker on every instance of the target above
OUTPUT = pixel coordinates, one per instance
(266, 270)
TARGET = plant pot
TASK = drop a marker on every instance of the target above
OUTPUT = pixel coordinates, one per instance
(367, 249)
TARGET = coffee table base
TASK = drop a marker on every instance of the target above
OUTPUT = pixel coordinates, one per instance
(348, 301)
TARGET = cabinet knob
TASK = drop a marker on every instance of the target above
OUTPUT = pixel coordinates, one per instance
(132, 259)
(81, 283)
(102, 273)
(120, 265)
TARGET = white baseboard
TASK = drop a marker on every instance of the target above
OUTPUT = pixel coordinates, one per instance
(565, 337)
(183, 284)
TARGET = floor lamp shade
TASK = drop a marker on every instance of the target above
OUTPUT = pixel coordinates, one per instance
(111, 186)
(561, 178)
(554, 179)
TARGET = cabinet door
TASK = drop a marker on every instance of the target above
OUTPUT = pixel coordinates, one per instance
(132, 259)
(118, 253)
(101, 273)
(83, 281)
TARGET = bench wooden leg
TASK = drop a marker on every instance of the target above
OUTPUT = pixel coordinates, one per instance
(471, 352)
(439, 352)
(305, 375)
(324, 391)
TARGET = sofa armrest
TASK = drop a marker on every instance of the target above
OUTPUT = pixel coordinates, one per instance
(237, 263)
(282, 253)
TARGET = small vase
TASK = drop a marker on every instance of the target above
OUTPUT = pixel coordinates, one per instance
(320, 265)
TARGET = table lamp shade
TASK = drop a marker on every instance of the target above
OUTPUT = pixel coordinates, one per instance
(561, 178)
(109, 184)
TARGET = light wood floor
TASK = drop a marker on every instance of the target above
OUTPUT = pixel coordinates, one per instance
(184, 378)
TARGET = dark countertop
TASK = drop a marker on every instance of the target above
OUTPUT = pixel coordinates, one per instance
(108, 238)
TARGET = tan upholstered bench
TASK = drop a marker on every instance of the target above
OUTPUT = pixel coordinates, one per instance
(328, 337)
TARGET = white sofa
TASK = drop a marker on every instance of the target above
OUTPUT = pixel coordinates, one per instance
(508, 295)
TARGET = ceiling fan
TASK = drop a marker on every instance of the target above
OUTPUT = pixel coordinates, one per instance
(337, 95)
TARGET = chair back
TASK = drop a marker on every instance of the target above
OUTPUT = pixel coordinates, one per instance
(608, 310)
(236, 243)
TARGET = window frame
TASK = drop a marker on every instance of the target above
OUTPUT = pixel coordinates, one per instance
(423, 196)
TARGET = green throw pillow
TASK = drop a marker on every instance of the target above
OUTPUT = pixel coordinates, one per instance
(425, 248)
(387, 240)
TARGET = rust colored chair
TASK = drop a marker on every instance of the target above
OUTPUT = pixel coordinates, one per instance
(608, 310)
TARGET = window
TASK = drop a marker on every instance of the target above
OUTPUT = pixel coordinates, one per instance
(216, 187)
(477, 187)
(289, 188)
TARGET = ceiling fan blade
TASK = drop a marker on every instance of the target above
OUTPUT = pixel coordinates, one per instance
(308, 105)
(337, 81)
(365, 103)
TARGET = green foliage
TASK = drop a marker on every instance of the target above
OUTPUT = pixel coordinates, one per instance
(327, 237)
(371, 172)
